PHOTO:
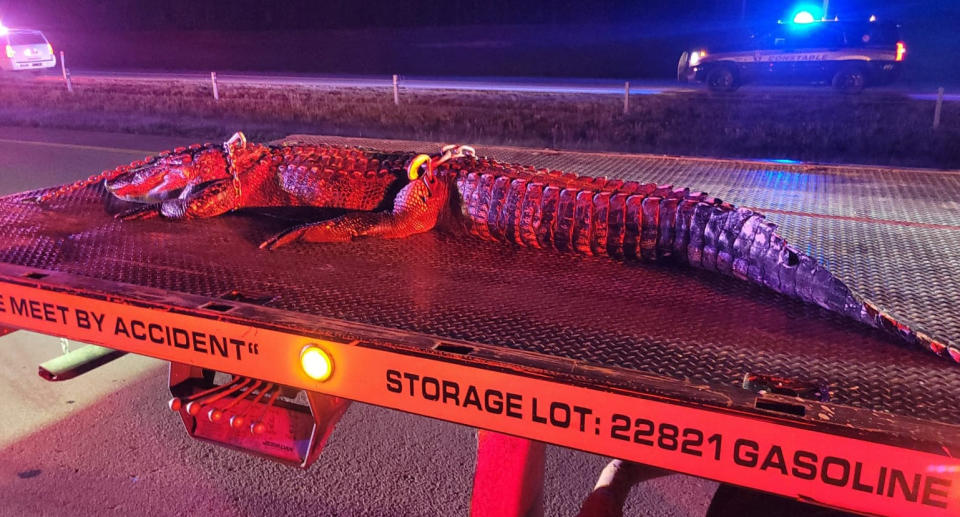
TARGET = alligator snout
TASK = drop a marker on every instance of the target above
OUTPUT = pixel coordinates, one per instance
(147, 184)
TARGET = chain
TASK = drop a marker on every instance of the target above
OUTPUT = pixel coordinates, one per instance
(231, 165)
(447, 153)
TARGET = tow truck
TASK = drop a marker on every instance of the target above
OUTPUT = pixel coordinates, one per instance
(848, 55)
(655, 366)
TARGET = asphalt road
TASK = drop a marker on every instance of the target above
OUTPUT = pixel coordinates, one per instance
(104, 443)
(496, 84)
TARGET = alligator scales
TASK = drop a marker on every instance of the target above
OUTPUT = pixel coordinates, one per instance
(394, 195)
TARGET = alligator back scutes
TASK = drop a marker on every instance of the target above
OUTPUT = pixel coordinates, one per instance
(594, 216)
(337, 177)
(340, 158)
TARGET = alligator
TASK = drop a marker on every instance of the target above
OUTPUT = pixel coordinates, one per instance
(395, 195)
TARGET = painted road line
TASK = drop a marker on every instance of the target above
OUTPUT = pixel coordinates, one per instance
(76, 146)
(933, 97)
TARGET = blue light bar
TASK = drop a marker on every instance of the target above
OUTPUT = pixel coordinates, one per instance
(803, 17)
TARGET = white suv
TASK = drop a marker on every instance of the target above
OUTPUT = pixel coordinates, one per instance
(25, 50)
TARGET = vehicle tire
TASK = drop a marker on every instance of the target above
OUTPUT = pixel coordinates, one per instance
(682, 67)
(722, 79)
(850, 79)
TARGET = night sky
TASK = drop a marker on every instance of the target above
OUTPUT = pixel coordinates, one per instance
(538, 38)
(306, 14)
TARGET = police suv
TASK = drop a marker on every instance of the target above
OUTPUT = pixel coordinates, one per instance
(847, 55)
(25, 49)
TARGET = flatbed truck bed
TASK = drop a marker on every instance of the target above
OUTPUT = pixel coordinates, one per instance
(649, 363)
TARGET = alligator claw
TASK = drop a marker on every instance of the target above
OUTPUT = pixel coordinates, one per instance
(283, 238)
(140, 212)
(341, 229)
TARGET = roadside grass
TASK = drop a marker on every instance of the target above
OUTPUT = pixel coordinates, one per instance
(810, 124)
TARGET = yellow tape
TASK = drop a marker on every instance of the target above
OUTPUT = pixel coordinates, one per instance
(413, 172)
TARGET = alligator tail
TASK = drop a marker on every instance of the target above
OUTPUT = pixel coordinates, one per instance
(650, 222)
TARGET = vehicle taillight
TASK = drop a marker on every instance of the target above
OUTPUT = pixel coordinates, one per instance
(10, 52)
(901, 50)
(50, 49)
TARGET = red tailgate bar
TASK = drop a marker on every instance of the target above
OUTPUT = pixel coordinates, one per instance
(727, 446)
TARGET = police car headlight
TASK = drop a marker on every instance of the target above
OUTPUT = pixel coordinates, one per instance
(696, 56)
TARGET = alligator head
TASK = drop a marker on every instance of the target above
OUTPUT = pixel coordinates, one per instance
(171, 173)
(168, 174)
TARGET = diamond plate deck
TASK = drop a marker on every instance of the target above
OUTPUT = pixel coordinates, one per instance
(890, 234)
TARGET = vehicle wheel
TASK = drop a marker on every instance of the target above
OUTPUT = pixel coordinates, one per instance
(682, 67)
(850, 79)
(722, 79)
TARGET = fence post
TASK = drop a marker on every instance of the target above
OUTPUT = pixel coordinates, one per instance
(626, 97)
(66, 75)
(936, 111)
(396, 90)
(213, 81)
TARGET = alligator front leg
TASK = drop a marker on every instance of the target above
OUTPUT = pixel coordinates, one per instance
(341, 229)
(415, 210)
(212, 200)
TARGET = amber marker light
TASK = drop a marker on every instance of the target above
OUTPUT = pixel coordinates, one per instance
(316, 363)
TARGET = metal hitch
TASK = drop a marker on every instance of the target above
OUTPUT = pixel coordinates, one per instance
(77, 362)
(263, 418)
